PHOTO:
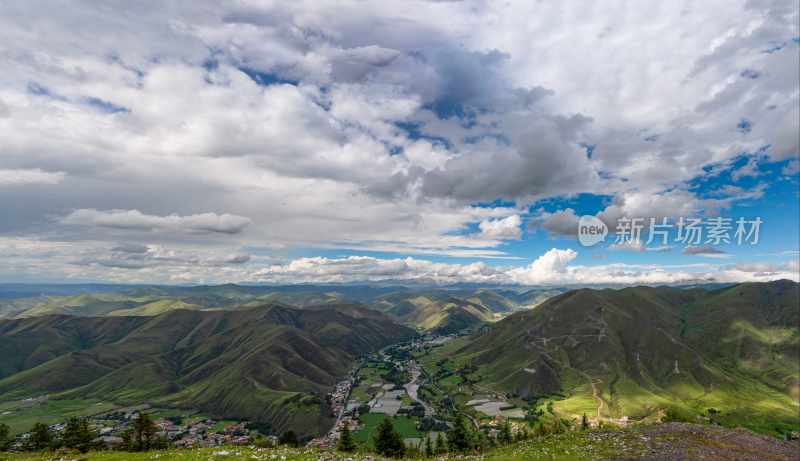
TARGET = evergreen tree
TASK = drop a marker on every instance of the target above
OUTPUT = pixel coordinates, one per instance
(289, 438)
(5, 437)
(505, 435)
(459, 438)
(346, 442)
(78, 435)
(558, 426)
(428, 446)
(388, 441)
(584, 422)
(142, 435)
(441, 443)
(40, 438)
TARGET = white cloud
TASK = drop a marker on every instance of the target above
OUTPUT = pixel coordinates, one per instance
(24, 177)
(628, 245)
(503, 229)
(28, 259)
(377, 126)
(705, 250)
(558, 223)
(791, 168)
(548, 268)
(135, 220)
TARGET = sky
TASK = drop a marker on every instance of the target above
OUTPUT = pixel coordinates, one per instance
(193, 142)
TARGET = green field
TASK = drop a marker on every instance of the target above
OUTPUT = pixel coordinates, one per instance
(407, 427)
(20, 416)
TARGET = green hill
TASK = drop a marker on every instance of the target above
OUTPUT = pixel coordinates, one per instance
(436, 311)
(419, 306)
(270, 363)
(644, 352)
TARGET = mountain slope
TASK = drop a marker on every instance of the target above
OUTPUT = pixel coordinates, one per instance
(434, 311)
(636, 351)
(252, 364)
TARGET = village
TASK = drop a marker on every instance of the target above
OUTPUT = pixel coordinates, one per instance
(389, 383)
(180, 432)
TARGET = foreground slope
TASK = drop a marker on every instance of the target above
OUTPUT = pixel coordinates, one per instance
(640, 352)
(271, 363)
(665, 442)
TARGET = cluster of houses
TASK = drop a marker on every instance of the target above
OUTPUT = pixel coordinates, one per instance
(193, 432)
(202, 434)
(342, 410)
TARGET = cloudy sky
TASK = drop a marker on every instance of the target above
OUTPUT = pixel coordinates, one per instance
(443, 141)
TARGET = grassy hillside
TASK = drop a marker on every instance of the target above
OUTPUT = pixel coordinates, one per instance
(661, 442)
(270, 363)
(90, 300)
(437, 311)
(730, 354)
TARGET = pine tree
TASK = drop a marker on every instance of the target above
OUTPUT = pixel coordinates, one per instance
(388, 441)
(346, 442)
(5, 437)
(40, 438)
(289, 438)
(142, 435)
(459, 437)
(441, 443)
(428, 446)
(505, 435)
(584, 422)
(78, 435)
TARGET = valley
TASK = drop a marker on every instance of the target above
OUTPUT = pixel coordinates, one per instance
(618, 358)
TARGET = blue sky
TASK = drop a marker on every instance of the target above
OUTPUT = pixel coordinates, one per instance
(424, 141)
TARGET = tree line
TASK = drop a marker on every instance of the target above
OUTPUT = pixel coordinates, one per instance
(142, 435)
(460, 438)
(78, 434)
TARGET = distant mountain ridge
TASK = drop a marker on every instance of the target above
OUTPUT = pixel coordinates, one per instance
(440, 310)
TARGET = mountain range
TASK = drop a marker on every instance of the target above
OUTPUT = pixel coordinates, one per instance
(443, 310)
(639, 351)
(270, 354)
(268, 363)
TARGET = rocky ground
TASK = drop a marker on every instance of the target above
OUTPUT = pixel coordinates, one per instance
(680, 441)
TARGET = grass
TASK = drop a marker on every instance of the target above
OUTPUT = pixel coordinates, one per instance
(21, 416)
(360, 393)
(221, 425)
(644, 442)
(406, 426)
(198, 454)
(450, 381)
